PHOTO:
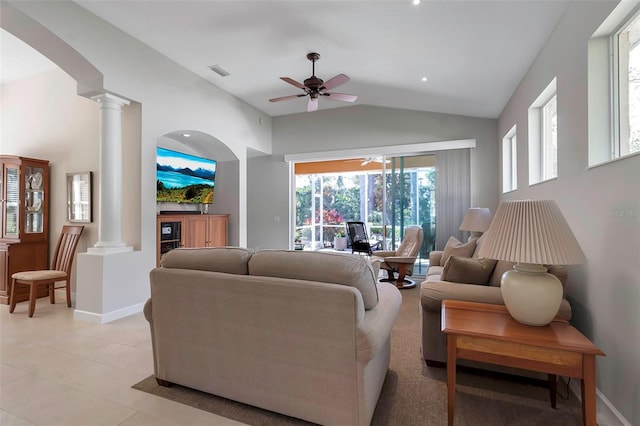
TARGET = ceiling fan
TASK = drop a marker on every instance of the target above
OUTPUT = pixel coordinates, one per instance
(372, 159)
(377, 159)
(315, 87)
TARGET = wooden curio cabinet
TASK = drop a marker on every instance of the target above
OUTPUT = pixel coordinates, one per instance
(24, 220)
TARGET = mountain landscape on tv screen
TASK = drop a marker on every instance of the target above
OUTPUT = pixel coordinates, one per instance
(183, 185)
(199, 172)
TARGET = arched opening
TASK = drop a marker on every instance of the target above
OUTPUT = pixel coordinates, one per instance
(227, 185)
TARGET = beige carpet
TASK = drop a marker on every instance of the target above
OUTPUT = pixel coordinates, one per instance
(414, 394)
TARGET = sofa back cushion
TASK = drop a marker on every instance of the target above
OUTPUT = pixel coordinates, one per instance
(345, 269)
(232, 260)
(501, 267)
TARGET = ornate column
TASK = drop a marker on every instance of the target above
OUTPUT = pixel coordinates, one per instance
(110, 189)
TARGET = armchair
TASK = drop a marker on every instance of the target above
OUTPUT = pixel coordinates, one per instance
(402, 259)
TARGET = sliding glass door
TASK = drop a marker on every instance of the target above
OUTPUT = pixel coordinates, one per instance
(410, 200)
(387, 193)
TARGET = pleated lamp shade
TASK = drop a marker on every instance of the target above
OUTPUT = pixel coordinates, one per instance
(476, 219)
(531, 231)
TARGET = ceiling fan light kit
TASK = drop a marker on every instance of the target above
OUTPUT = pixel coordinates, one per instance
(315, 87)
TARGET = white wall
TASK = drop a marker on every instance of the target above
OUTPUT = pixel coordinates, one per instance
(601, 204)
(42, 117)
(170, 98)
(359, 127)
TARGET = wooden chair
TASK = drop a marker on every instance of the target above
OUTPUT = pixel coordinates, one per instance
(60, 270)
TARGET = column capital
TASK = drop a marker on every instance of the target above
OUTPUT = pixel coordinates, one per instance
(110, 99)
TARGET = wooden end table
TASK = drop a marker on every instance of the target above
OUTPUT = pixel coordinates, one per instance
(487, 333)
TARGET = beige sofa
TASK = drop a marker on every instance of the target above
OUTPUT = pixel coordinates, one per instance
(434, 290)
(305, 334)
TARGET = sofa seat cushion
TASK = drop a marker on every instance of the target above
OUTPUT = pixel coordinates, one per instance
(468, 270)
(336, 268)
(231, 260)
(432, 293)
(455, 248)
(431, 278)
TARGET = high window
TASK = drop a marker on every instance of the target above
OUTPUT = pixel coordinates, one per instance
(543, 136)
(549, 142)
(627, 88)
(614, 86)
(509, 159)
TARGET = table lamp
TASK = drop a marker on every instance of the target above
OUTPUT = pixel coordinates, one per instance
(531, 233)
(476, 220)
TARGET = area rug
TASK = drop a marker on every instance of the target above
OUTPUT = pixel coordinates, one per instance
(414, 394)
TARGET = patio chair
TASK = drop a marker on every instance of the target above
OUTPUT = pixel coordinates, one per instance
(358, 238)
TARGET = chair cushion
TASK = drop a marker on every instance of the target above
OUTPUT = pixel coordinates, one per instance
(231, 260)
(455, 248)
(468, 270)
(336, 268)
(40, 275)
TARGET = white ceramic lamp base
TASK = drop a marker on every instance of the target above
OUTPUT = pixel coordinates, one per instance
(532, 296)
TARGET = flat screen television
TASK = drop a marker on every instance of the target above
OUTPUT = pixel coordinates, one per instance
(184, 178)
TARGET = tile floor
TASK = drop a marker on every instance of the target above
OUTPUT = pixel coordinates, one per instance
(55, 370)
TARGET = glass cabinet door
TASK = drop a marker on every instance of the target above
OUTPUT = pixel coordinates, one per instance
(11, 202)
(34, 200)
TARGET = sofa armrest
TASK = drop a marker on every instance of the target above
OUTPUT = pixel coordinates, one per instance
(375, 329)
(435, 257)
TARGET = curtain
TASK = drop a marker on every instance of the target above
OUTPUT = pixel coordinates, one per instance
(453, 193)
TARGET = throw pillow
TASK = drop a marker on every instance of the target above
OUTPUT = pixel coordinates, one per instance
(479, 242)
(468, 270)
(455, 248)
(501, 267)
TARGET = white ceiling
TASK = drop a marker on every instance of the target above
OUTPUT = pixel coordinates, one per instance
(474, 53)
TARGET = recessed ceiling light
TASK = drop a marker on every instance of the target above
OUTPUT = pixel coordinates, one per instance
(416, 2)
(186, 135)
(424, 79)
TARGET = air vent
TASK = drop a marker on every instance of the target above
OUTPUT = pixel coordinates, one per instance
(218, 70)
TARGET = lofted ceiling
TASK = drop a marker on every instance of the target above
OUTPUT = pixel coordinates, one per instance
(473, 53)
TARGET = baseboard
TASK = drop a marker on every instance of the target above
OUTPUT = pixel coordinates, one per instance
(606, 413)
(109, 316)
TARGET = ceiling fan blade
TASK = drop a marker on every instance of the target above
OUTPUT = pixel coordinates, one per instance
(313, 105)
(341, 97)
(335, 82)
(293, 82)
(284, 98)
